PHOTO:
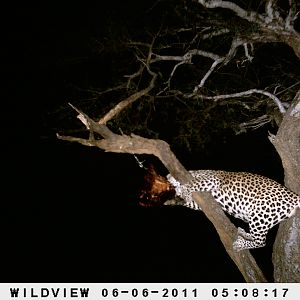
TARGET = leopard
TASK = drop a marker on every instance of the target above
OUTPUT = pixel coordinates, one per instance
(257, 200)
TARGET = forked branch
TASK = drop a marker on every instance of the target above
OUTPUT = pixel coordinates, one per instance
(134, 144)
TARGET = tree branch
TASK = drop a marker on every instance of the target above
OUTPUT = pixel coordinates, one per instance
(208, 73)
(271, 11)
(132, 98)
(134, 144)
(249, 16)
(243, 94)
(292, 15)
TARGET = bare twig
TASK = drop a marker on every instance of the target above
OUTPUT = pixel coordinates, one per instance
(208, 73)
(248, 56)
(134, 75)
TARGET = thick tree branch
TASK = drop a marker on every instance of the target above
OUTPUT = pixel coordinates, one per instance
(134, 144)
(249, 16)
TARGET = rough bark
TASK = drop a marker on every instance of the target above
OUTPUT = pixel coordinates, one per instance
(286, 250)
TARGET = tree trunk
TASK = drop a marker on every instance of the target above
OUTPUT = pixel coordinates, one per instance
(286, 249)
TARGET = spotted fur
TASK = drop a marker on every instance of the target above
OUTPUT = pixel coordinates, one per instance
(257, 200)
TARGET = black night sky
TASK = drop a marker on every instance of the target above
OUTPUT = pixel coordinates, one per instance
(69, 213)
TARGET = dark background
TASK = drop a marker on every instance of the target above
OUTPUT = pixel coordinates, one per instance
(70, 213)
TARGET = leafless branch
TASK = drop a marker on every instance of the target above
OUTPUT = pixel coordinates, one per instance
(271, 11)
(123, 104)
(132, 98)
(187, 59)
(219, 60)
(244, 94)
(134, 75)
(255, 123)
(215, 33)
(173, 72)
(208, 73)
(134, 144)
(292, 15)
(249, 57)
(249, 16)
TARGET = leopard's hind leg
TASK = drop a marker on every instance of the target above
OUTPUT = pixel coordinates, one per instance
(255, 239)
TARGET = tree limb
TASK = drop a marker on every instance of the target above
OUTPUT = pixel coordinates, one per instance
(132, 98)
(243, 94)
(292, 15)
(134, 144)
(249, 16)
